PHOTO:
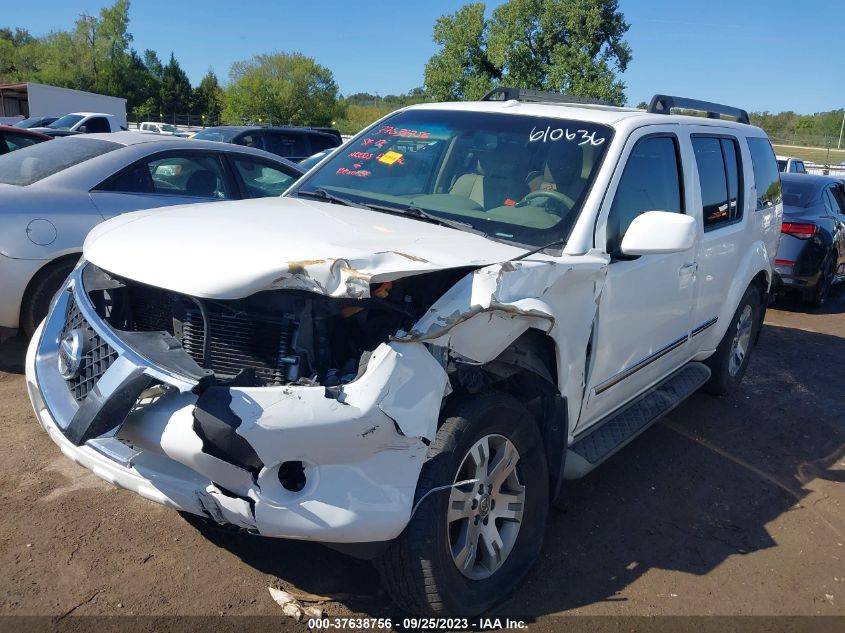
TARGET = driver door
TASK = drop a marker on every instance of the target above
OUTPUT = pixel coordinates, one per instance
(644, 314)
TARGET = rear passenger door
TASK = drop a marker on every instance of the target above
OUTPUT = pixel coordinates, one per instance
(644, 312)
(720, 194)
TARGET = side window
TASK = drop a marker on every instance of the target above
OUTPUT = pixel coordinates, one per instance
(252, 139)
(320, 142)
(97, 124)
(194, 175)
(17, 141)
(261, 180)
(720, 178)
(650, 182)
(839, 196)
(766, 173)
(830, 201)
(799, 167)
(287, 145)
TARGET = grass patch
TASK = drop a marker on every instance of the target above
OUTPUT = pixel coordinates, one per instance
(814, 154)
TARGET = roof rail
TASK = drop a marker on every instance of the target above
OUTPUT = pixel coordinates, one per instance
(663, 104)
(538, 96)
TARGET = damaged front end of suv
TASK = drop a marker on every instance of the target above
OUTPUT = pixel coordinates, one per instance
(287, 412)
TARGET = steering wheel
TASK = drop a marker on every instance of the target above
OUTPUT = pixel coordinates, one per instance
(562, 198)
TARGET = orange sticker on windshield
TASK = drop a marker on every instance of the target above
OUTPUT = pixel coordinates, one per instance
(388, 158)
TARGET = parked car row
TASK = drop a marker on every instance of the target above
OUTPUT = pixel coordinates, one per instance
(52, 194)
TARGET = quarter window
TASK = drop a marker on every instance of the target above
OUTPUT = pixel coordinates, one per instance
(766, 173)
(650, 182)
(720, 178)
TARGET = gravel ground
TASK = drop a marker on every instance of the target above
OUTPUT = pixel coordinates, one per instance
(727, 507)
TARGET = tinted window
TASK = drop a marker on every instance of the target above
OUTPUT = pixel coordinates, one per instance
(799, 167)
(261, 180)
(18, 141)
(839, 196)
(196, 175)
(781, 163)
(830, 202)
(287, 145)
(33, 163)
(650, 182)
(798, 192)
(97, 124)
(320, 142)
(251, 139)
(766, 176)
(720, 178)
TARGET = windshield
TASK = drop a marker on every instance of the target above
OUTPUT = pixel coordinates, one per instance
(31, 164)
(166, 127)
(35, 121)
(515, 178)
(66, 122)
(216, 134)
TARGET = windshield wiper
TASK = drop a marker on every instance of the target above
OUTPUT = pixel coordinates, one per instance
(420, 214)
(560, 241)
(322, 194)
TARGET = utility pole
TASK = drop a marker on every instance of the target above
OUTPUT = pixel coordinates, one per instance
(841, 127)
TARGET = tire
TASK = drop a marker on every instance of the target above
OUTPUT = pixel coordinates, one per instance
(726, 371)
(39, 294)
(418, 569)
(820, 293)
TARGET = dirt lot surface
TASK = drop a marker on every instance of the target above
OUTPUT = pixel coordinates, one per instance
(728, 506)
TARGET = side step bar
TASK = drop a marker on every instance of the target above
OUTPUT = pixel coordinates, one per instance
(624, 425)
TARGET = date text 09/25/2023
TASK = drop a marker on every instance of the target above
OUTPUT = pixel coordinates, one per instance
(411, 623)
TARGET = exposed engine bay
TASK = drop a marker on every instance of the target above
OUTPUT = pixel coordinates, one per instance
(274, 337)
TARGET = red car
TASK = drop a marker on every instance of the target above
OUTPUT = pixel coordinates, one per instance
(12, 138)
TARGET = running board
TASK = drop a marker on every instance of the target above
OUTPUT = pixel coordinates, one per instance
(622, 426)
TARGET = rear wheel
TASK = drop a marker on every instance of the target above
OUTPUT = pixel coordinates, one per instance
(820, 293)
(42, 288)
(728, 363)
(469, 546)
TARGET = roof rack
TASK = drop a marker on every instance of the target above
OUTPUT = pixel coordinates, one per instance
(663, 104)
(538, 96)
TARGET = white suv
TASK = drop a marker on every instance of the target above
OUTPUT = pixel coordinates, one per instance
(408, 354)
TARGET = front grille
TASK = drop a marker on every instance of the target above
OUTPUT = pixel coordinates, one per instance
(98, 357)
(243, 341)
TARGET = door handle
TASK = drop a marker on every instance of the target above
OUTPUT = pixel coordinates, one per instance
(689, 267)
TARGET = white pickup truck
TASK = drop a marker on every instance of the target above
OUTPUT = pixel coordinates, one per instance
(408, 354)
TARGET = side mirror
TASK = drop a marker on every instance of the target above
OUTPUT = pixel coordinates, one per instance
(656, 232)
(82, 129)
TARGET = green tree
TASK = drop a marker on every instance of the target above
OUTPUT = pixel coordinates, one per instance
(281, 88)
(207, 98)
(571, 46)
(175, 93)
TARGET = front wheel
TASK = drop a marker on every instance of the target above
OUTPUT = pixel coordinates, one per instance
(470, 545)
(730, 360)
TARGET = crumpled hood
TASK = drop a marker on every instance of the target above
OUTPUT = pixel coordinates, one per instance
(230, 250)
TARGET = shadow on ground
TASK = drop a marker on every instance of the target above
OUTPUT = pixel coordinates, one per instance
(698, 488)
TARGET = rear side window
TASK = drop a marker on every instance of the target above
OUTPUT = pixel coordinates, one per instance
(31, 164)
(650, 182)
(253, 139)
(287, 145)
(720, 177)
(766, 172)
(320, 142)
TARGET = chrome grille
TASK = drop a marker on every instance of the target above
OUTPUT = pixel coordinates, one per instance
(99, 354)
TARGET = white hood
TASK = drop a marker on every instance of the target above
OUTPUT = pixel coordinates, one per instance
(229, 250)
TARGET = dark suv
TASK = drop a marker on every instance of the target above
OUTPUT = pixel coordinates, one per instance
(293, 143)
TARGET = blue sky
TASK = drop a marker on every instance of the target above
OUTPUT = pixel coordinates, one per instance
(758, 54)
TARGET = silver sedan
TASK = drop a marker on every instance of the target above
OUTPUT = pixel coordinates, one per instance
(52, 194)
